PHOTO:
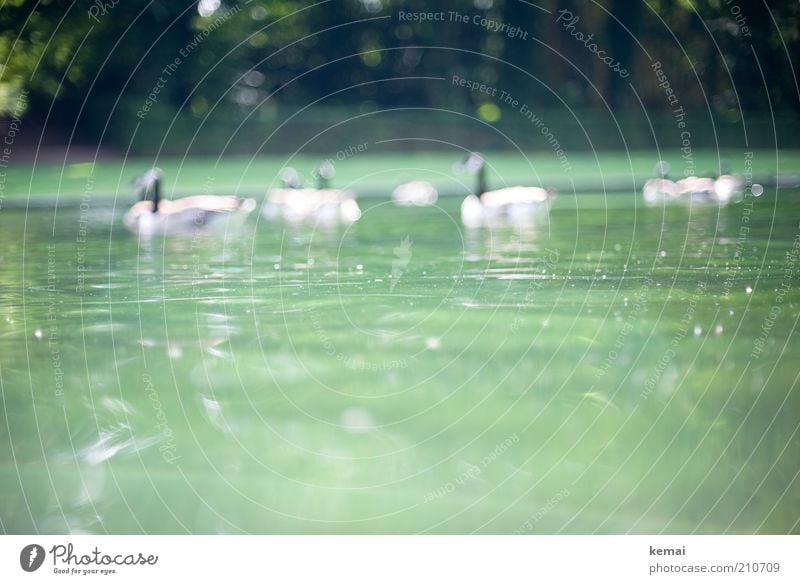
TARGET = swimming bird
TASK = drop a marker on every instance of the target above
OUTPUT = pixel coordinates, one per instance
(278, 196)
(659, 190)
(514, 204)
(293, 202)
(415, 193)
(153, 215)
(728, 186)
(698, 189)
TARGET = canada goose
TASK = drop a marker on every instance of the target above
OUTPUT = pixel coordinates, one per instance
(696, 188)
(660, 190)
(727, 186)
(153, 215)
(515, 204)
(415, 193)
(324, 204)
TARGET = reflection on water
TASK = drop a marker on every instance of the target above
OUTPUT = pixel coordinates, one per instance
(620, 369)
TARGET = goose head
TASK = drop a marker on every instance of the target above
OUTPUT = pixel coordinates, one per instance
(475, 164)
(661, 169)
(149, 185)
(325, 172)
(290, 178)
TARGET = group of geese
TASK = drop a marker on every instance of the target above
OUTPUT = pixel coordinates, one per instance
(293, 202)
(722, 190)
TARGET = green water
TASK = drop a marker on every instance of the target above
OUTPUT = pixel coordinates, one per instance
(376, 172)
(613, 370)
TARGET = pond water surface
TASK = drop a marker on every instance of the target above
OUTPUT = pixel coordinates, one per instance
(614, 369)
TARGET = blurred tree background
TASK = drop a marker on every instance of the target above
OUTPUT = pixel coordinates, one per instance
(278, 75)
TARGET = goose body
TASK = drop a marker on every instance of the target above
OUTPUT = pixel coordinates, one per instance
(697, 189)
(707, 190)
(515, 196)
(727, 187)
(415, 193)
(323, 204)
(519, 204)
(155, 216)
(660, 190)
